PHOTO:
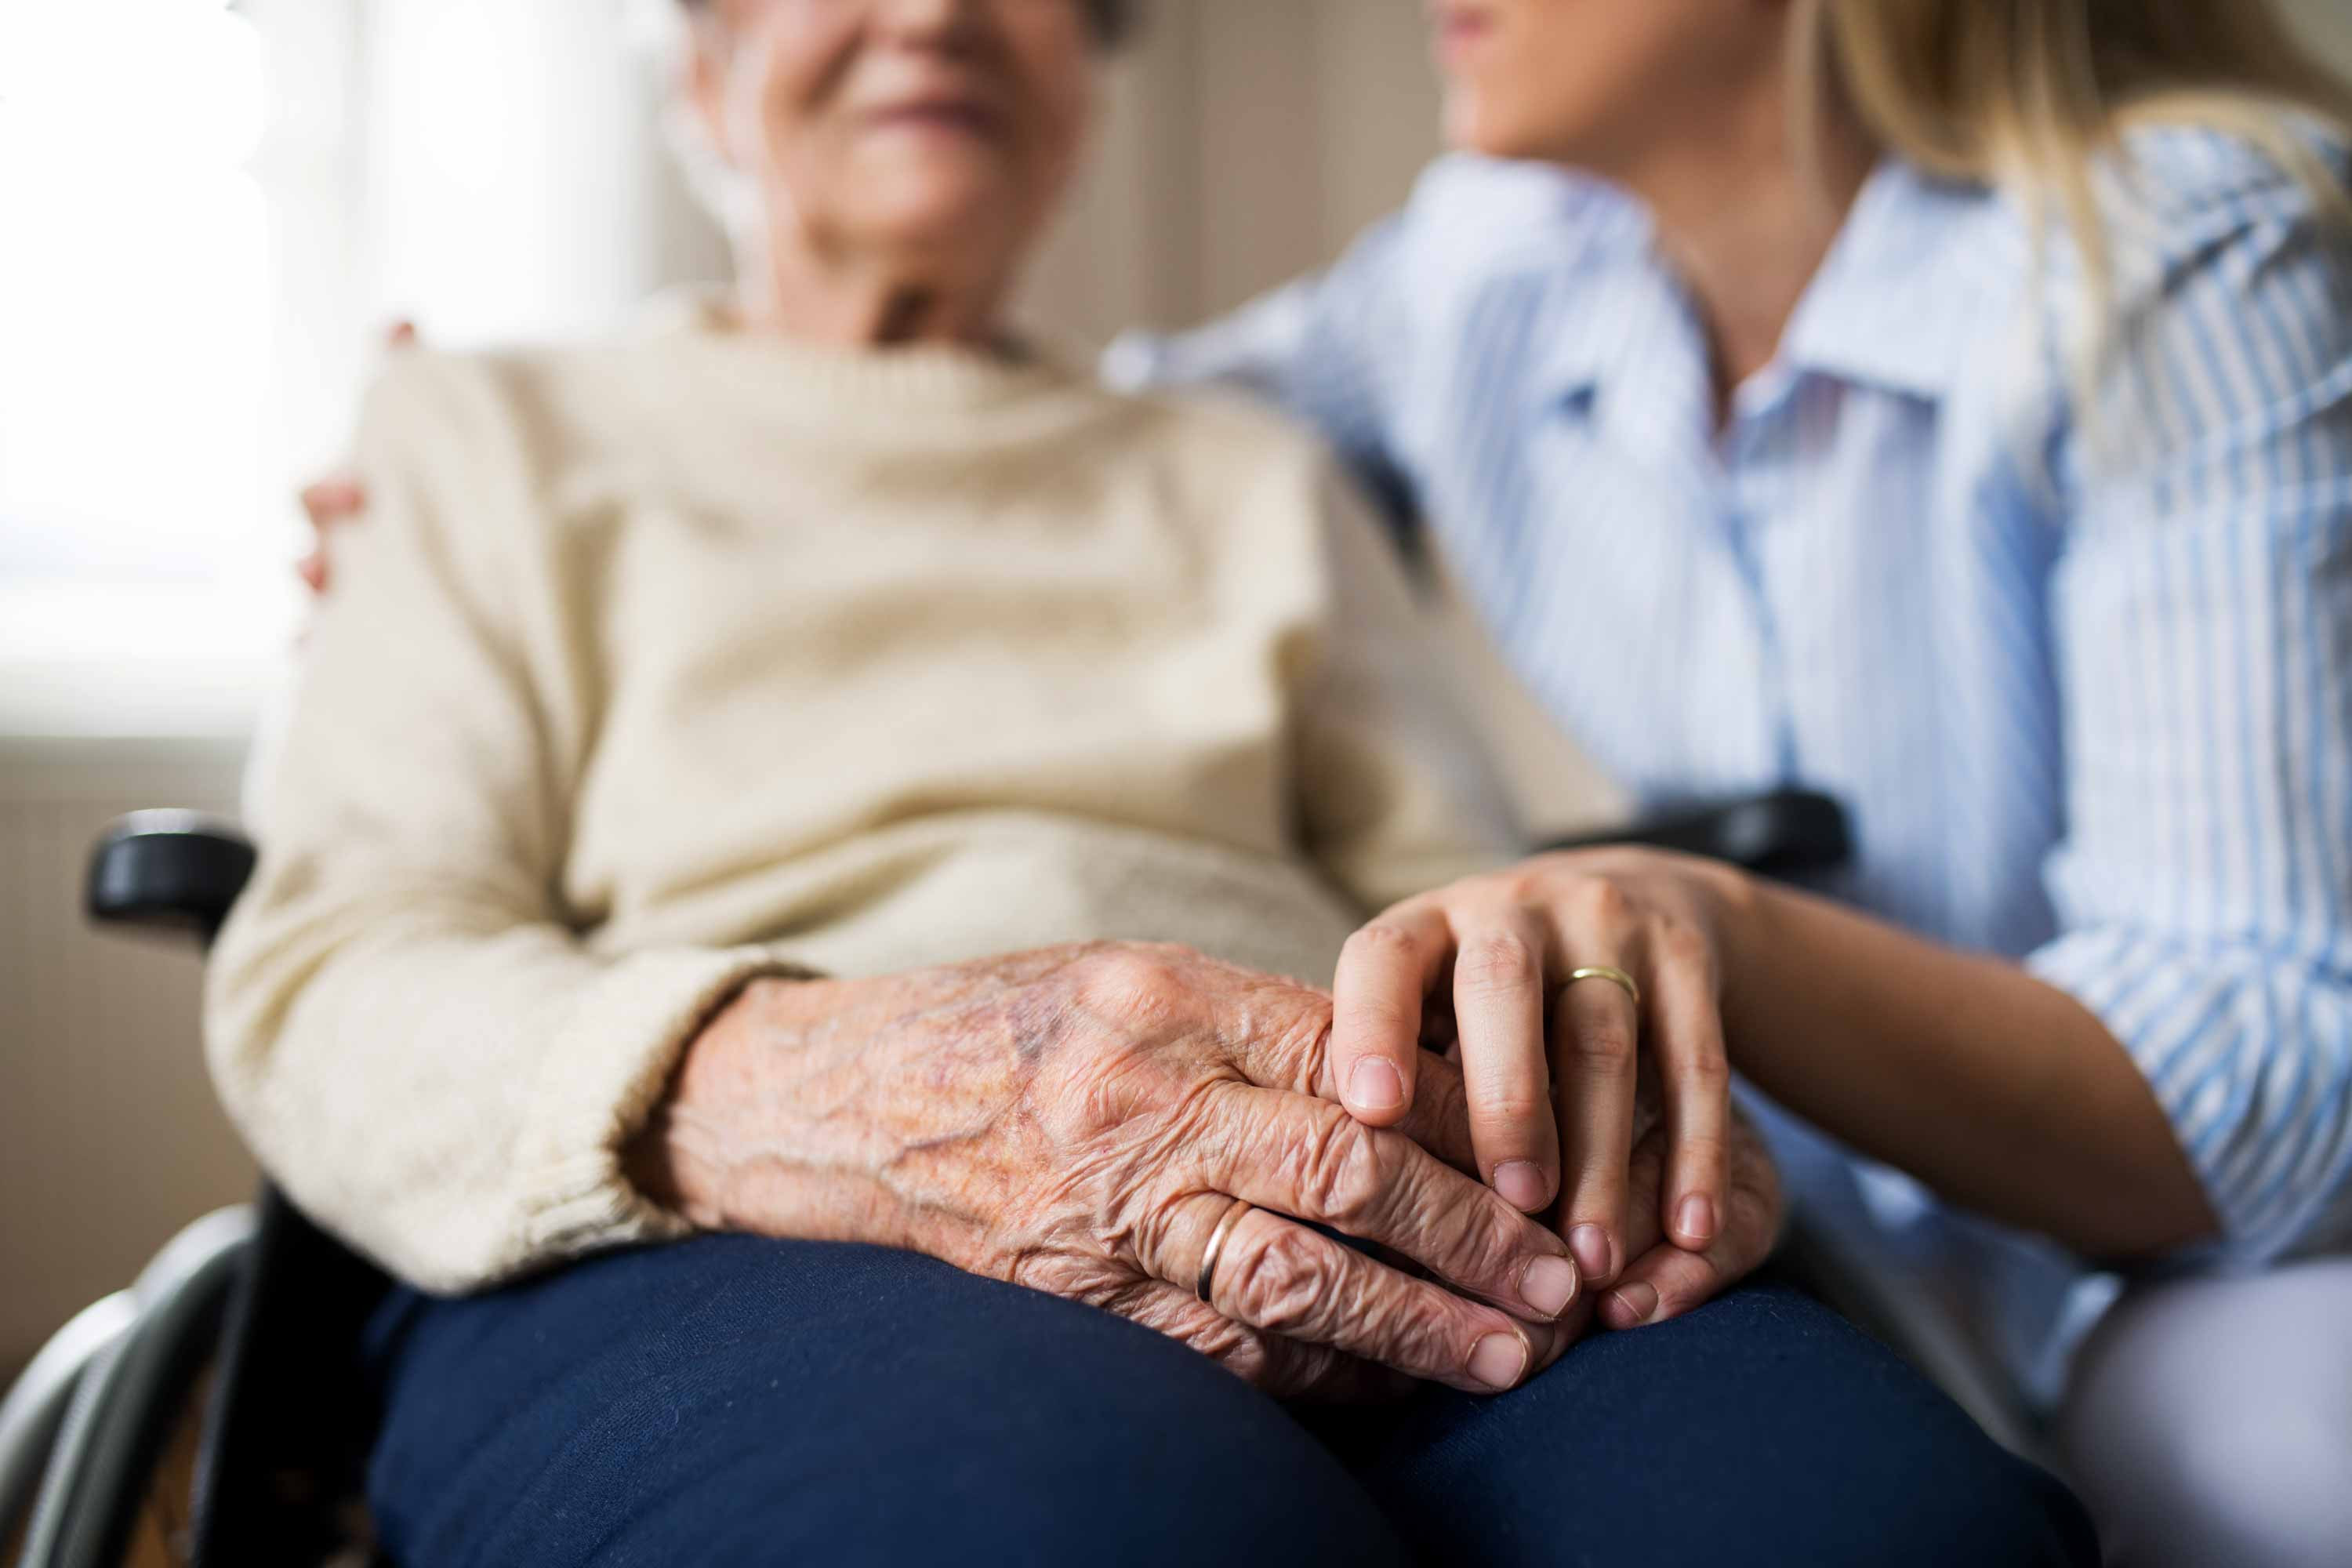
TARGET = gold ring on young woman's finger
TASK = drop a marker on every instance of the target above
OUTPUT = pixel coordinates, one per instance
(1612, 974)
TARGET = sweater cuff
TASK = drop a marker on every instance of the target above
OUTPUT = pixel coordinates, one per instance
(610, 1066)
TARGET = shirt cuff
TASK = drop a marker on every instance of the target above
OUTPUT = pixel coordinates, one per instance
(2250, 1055)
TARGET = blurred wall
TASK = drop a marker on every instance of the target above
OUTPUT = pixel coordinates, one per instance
(2328, 23)
(112, 1140)
(1248, 141)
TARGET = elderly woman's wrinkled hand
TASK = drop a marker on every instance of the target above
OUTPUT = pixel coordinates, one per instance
(1084, 1122)
(1666, 1280)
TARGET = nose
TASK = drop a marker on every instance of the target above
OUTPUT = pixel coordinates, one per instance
(935, 24)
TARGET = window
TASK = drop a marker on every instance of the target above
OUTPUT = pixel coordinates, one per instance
(154, 179)
(209, 211)
(135, 321)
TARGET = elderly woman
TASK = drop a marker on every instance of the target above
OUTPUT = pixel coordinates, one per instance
(823, 787)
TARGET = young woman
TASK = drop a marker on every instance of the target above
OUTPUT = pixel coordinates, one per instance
(1947, 406)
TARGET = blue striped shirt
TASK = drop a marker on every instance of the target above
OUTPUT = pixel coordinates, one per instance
(2080, 668)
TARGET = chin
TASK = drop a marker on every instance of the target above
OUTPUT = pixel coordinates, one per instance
(938, 189)
(1500, 130)
(938, 219)
(1477, 124)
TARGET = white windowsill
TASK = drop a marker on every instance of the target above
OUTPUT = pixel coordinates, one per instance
(140, 660)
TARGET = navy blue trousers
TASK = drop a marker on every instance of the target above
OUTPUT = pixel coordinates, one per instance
(733, 1400)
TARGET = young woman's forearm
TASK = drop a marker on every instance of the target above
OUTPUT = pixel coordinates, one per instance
(2002, 1093)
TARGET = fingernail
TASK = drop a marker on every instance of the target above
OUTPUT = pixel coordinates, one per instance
(1549, 1286)
(1522, 1185)
(1696, 1217)
(1499, 1360)
(1375, 1086)
(1590, 1244)
(1634, 1303)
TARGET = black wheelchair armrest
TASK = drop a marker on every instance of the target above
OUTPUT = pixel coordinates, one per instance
(1785, 834)
(182, 870)
(174, 871)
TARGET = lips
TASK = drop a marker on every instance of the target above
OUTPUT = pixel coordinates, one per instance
(966, 116)
(1461, 28)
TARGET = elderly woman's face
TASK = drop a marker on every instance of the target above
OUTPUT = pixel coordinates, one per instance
(902, 123)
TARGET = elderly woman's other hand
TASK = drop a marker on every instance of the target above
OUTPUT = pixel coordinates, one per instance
(1092, 1122)
(1666, 1280)
(332, 500)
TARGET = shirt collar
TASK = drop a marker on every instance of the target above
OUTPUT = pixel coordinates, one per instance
(1895, 302)
(1611, 284)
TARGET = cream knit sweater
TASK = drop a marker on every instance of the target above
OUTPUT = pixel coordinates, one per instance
(665, 664)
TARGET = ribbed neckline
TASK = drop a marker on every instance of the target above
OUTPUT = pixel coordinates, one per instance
(876, 388)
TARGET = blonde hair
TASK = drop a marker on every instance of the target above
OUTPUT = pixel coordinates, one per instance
(2028, 95)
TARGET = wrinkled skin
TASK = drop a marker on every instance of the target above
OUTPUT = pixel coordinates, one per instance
(1078, 1121)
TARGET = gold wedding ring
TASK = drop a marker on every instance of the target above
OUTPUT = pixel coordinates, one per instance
(1615, 976)
(1216, 1244)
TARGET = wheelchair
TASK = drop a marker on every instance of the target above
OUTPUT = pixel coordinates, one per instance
(248, 1323)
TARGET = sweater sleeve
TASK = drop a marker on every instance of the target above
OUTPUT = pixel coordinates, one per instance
(1398, 790)
(413, 1037)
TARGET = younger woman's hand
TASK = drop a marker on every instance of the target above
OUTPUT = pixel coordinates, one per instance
(1549, 1062)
